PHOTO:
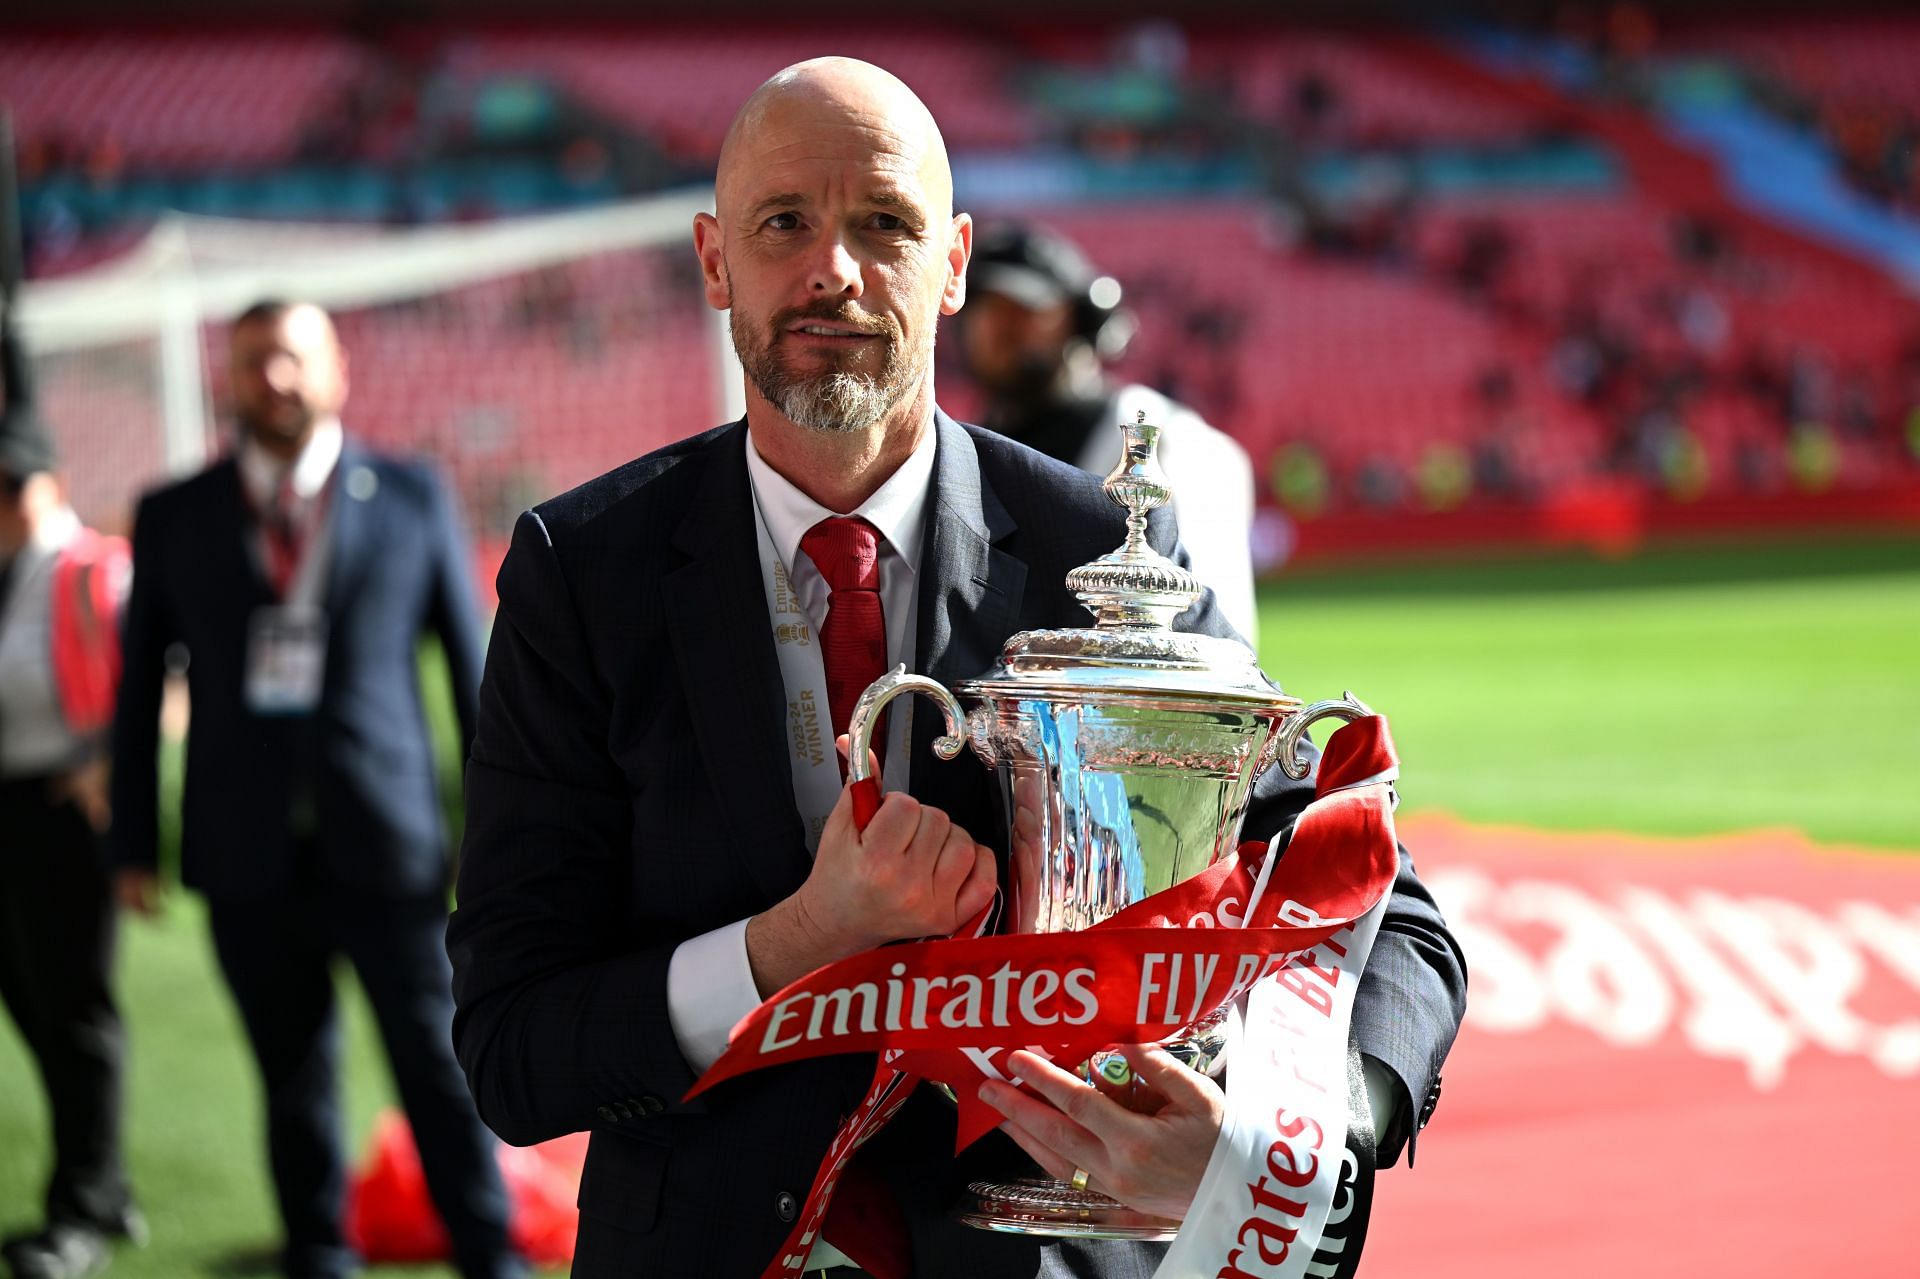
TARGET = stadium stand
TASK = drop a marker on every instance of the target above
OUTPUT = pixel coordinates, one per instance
(1348, 90)
(1862, 61)
(203, 99)
(683, 86)
(1424, 344)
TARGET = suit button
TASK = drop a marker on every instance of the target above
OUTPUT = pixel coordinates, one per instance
(785, 1206)
(624, 1110)
(1427, 1107)
(606, 1113)
(651, 1104)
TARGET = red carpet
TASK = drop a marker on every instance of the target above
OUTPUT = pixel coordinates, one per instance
(1681, 1057)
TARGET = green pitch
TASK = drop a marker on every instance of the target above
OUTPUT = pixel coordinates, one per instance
(1680, 692)
(1683, 692)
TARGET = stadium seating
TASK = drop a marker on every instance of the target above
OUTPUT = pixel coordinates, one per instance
(1374, 356)
(1363, 362)
(1374, 361)
(1859, 60)
(193, 100)
(1377, 100)
(683, 86)
(518, 402)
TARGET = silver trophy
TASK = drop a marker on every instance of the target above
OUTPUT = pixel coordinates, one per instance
(1126, 753)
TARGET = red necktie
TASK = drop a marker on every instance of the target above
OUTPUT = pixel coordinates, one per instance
(283, 539)
(853, 640)
(865, 1222)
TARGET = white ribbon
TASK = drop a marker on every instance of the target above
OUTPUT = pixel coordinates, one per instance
(1270, 1187)
(1275, 1171)
(809, 721)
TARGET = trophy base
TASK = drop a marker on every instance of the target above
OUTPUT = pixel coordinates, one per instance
(1035, 1206)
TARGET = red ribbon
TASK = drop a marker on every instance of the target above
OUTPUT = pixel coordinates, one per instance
(948, 1009)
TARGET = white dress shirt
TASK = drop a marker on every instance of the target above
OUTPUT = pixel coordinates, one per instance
(710, 984)
(261, 472)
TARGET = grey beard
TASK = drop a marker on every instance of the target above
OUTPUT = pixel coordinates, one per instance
(834, 403)
(830, 403)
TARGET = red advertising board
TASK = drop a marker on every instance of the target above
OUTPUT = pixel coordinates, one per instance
(1681, 1057)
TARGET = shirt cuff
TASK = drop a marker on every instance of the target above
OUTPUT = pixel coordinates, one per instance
(709, 989)
(1384, 1091)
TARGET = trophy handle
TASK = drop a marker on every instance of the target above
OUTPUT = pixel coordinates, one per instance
(1346, 708)
(866, 713)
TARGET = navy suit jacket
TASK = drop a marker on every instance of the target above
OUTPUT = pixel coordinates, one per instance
(399, 570)
(629, 788)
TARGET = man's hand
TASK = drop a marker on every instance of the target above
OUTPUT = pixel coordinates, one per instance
(137, 891)
(86, 788)
(1151, 1163)
(912, 873)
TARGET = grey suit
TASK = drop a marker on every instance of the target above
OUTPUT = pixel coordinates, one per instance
(629, 788)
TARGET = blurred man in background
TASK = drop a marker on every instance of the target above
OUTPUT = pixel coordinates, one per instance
(296, 579)
(1040, 327)
(61, 585)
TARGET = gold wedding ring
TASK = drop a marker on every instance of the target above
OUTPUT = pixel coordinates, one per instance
(1079, 1181)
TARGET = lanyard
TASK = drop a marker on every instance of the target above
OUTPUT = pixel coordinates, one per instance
(803, 676)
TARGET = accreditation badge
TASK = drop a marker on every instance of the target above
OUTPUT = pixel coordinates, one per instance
(286, 659)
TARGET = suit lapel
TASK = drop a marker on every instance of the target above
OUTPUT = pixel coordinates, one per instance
(969, 593)
(351, 498)
(233, 548)
(722, 636)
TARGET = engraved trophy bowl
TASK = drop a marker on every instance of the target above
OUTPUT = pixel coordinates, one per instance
(1125, 753)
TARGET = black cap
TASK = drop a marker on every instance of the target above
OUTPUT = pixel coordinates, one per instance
(1036, 268)
(26, 446)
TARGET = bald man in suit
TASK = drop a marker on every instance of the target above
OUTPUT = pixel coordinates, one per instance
(657, 838)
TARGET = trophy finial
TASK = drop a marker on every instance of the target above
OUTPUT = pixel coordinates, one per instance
(1135, 585)
(1136, 481)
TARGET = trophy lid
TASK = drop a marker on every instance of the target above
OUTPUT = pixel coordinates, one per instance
(1134, 593)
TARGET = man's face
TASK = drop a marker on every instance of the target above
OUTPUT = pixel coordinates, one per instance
(288, 374)
(836, 254)
(1014, 351)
